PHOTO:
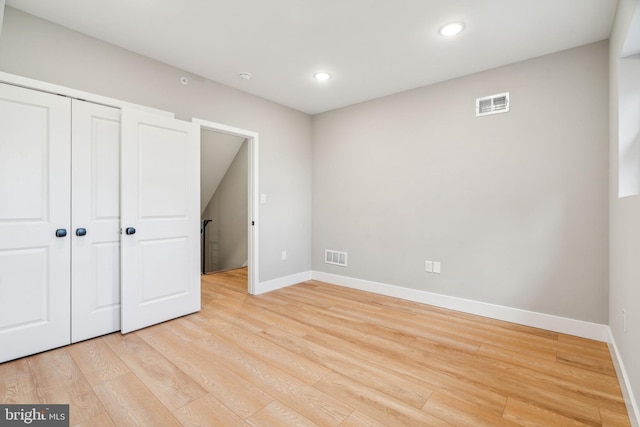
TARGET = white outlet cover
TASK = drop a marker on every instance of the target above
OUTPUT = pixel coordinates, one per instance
(436, 267)
(428, 266)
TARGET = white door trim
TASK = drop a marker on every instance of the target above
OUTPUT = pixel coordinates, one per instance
(252, 139)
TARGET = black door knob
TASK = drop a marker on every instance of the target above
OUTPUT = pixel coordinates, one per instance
(130, 230)
(81, 232)
(61, 232)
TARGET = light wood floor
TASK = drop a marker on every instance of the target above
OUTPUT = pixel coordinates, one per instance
(315, 354)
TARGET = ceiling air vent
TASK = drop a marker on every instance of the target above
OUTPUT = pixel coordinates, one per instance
(335, 257)
(493, 104)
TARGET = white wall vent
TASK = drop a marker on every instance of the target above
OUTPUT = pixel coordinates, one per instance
(492, 104)
(335, 257)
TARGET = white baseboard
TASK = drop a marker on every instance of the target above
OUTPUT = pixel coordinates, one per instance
(549, 322)
(282, 282)
(625, 385)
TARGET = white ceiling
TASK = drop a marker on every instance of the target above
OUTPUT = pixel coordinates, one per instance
(372, 48)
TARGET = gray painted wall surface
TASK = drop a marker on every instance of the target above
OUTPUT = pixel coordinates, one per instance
(513, 205)
(217, 151)
(624, 218)
(38, 49)
(227, 232)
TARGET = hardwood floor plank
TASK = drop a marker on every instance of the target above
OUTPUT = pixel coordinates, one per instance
(407, 323)
(583, 361)
(168, 383)
(130, 403)
(460, 325)
(602, 386)
(303, 369)
(530, 415)
(97, 361)
(583, 343)
(241, 396)
(308, 401)
(17, 385)
(459, 412)
(59, 381)
(232, 316)
(186, 329)
(432, 378)
(102, 420)
(208, 411)
(264, 315)
(618, 418)
(403, 387)
(358, 419)
(278, 414)
(380, 406)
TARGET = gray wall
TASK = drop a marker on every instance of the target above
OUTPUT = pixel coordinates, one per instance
(624, 216)
(38, 49)
(513, 205)
(227, 232)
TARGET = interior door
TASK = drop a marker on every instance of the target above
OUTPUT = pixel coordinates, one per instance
(35, 183)
(95, 215)
(160, 217)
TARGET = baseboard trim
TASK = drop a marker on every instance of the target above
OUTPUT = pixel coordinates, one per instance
(625, 385)
(549, 322)
(282, 282)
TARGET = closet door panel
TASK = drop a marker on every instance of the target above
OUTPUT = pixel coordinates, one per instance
(35, 182)
(96, 220)
(160, 201)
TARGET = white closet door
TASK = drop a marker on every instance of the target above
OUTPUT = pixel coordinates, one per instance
(160, 199)
(35, 183)
(95, 215)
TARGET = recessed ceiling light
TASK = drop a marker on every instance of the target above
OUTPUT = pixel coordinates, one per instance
(245, 76)
(451, 29)
(322, 76)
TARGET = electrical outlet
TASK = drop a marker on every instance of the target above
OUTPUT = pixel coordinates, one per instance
(436, 267)
(428, 266)
(432, 266)
(284, 255)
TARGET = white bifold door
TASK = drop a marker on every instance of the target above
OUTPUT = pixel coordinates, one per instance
(99, 226)
(35, 246)
(95, 215)
(160, 219)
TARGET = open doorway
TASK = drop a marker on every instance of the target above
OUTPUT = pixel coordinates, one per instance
(223, 201)
(228, 200)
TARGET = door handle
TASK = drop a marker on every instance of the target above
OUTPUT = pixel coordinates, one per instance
(61, 232)
(81, 232)
(130, 231)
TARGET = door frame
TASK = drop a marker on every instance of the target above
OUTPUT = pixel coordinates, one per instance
(252, 192)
